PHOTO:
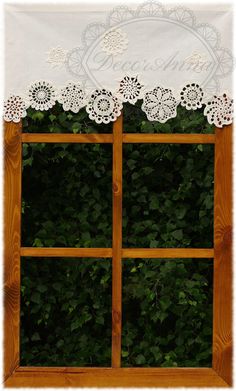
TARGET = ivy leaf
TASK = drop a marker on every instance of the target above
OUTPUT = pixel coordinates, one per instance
(178, 234)
(35, 337)
(35, 298)
(180, 213)
(52, 117)
(140, 359)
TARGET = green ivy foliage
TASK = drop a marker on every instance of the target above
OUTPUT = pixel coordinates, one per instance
(67, 201)
(65, 312)
(168, 195)
(167, 313)
(56, 120)
(67, 193)
(135, 121)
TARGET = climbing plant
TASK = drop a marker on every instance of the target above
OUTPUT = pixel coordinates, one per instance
(67, 202)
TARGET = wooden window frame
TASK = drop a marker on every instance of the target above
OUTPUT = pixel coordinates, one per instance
(220, 374)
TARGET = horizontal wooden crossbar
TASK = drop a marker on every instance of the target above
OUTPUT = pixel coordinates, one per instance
(154, 138)
(169, 138)
(113, 377)
(167, 253)
(66, 252)
(66, 138)
(125, 252)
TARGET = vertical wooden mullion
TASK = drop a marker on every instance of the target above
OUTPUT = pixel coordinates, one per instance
(117, 243)
(222, 297)
(12, 243)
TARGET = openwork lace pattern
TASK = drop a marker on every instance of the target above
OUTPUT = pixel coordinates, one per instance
(219, 111)
(14, 109)
(120, 25)
(114, 42)
(42, 95)
(191, 96)
(103, 107)
(72, 97)
(159, 104)
(130, 89)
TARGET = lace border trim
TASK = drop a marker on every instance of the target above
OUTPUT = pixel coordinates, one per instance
(159, 104)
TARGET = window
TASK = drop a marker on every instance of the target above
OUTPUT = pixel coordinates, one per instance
(121, 372)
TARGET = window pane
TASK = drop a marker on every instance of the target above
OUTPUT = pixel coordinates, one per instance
(167, 313)
(56, 120)
(65, 312)
(168, 193)
(186, 121)
(67, 195)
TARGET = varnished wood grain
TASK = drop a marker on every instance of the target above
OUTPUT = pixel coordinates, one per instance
(125, 252)
(115, 377)
(12, 222)
(117, 242)
(222, 313)
(66, 138)
(221, 374)
(174, 138)
(167, 253)
(66, 252)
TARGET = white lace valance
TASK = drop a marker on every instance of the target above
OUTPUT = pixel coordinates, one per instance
(101, 55)
(103, 106)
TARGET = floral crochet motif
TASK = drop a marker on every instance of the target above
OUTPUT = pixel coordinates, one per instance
(159, 104)
(191, 96)
(72, 97)
(130, 89)
(14, 109)
(42, 95)
(103, 107)
(56, 56)
(219, 111)
(114, 41)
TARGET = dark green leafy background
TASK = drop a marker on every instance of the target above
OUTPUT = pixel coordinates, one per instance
(168, 195)
(67, 195)
(167, 312)
(65, 316)
(67, 201)
(135, 121)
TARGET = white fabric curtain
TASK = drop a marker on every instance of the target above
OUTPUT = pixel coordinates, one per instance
(97, 45)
